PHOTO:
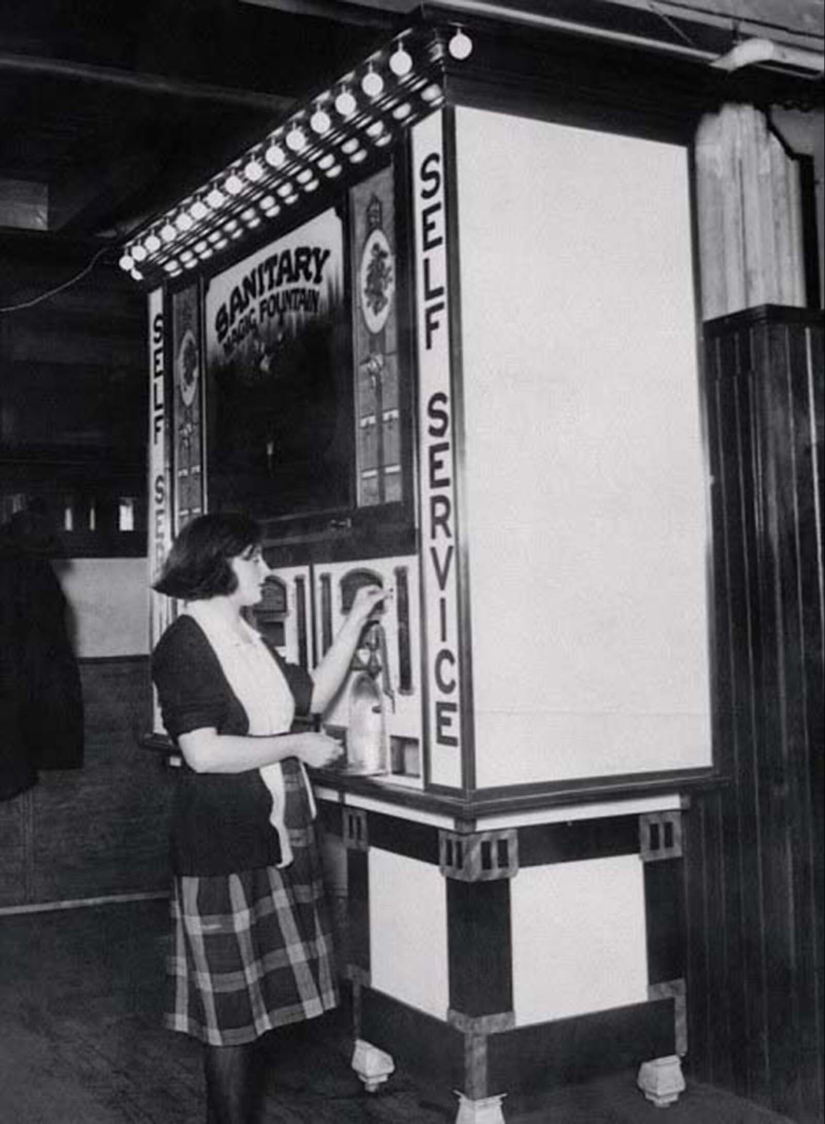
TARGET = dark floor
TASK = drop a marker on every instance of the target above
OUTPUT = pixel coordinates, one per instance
(81, 1042)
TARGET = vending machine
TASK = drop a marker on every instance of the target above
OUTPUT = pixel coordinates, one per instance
(436, 331)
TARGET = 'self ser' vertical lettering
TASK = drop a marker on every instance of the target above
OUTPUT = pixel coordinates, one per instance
(158, 435)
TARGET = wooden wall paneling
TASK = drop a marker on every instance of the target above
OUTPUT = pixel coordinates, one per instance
(742, 802)
(812, 462)
(754, 848)
(788, 485)
(699, 982)
(734, 711)
(776, 567)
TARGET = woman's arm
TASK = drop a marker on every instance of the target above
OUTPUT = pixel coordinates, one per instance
(331, 671)
(207, 751)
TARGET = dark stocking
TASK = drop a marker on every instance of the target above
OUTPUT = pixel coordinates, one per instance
(228, 1072)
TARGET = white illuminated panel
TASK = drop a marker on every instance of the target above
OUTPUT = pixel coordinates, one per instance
(585, 485)
(408, 931)
(578, 938)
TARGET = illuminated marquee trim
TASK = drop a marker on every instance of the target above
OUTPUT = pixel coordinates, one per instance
(332, 133)
(439, 550)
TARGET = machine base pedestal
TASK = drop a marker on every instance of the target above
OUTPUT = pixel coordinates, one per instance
(372, 1065)
(484, 1111)
(661, 1080)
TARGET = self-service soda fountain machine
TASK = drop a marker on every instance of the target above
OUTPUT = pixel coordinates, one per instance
(439, 335)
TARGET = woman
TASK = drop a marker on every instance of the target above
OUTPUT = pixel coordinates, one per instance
(253, 948)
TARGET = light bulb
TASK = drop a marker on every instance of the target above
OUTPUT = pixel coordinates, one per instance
(461, 45)
(126, 262)
(152, 243)
(234, 185)
(184, 222)
(275, 156)
(198, 210)
(372, 83)
(168, 232)
(253, 171)
(320, 121)
(136, 275)
(139, 252)
(400, 62)
(215, 198)
(296, 140)
(345, 103)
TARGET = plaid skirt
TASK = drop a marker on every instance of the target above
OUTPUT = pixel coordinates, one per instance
(253, 950)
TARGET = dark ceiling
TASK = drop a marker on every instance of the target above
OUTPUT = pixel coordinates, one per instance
(114, 109)
(118, 108)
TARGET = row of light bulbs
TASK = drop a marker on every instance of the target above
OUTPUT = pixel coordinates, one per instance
(284, 147)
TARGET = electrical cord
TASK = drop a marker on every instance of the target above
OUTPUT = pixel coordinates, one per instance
(60, 288)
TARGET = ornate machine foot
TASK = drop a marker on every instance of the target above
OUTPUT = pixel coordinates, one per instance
(484, 1111)
(372, 1065)
(661, 1080)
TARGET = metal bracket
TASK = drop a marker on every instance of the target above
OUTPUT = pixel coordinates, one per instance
(481, 856)
(354, 821)
(660, 835)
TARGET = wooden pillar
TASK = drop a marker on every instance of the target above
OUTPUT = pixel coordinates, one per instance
(749, 215)
(754, 860)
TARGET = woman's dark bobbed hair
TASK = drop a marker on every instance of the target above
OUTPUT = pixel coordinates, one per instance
(198, 565)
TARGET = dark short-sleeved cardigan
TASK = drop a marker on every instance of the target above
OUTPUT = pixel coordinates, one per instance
(220, 821)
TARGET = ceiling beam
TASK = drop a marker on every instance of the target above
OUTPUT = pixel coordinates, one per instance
(787, 21)
(143, 83)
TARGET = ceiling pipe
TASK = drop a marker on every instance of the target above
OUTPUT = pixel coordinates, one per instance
(754, 51)
(155, 84)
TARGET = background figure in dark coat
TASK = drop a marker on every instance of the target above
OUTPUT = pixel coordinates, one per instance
(41, 703)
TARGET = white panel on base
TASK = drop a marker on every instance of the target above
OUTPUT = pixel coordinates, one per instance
(408, 931)
(579, 942)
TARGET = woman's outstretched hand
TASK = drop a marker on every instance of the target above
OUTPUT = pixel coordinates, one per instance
(317, 750)
(366, 600)
(334, 667)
